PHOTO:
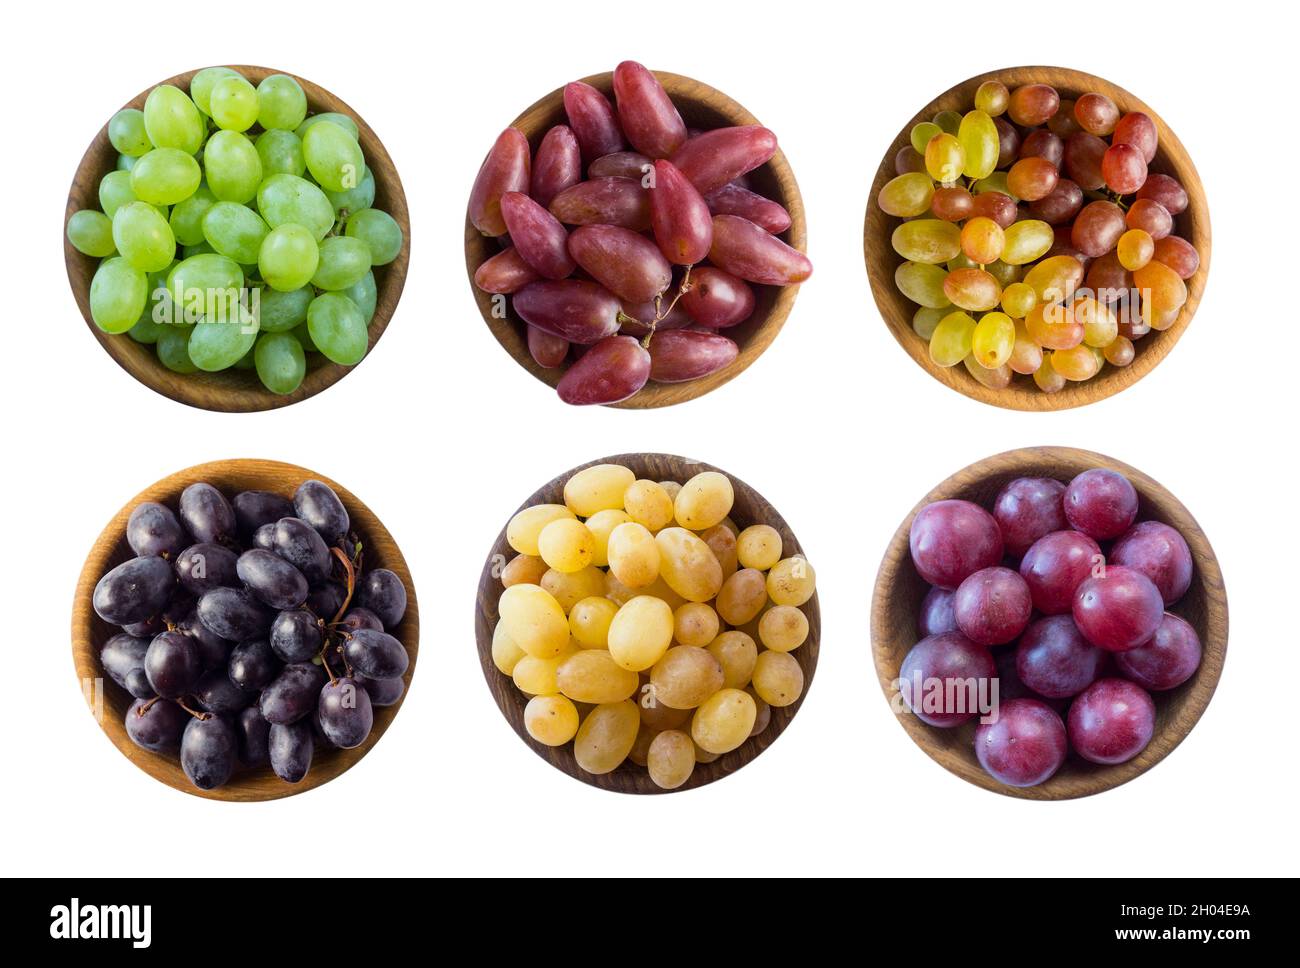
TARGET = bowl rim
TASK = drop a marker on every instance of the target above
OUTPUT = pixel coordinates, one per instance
(634, 781)
(1021, 395)
(1214, 635)
(654, 395)
(207, 391)
(165, 767)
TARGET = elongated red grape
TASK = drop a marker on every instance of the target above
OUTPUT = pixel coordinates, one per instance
(717, 299)
(1138, 130)
(997, 206)
(505, 169)
(505, 272)
(593, 121)
(1032, 178)
(619, 164)
(1083, 153)
(1033, 104)
(1097, 228)
(683, 354)
(745, 250)
(637, 316)
(1108, 280)
(682, 223)
(611, 370)
(557, 165)
(1008, 143)
(538, 235)
(1165, 190)
(1151, 217)
(952, 203)
(650, 121)
(625, 262)
(1041, 143)
(547, 349)
(719, 156)
(604, 201)
(577, 310)
(1059, 205)
(1179, 255)
(1096, 113)
(1124, 168)
(732, 199)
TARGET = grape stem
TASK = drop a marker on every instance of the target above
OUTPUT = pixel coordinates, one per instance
(146, 707)
(194, 713)
(351, 583)
(660, 312)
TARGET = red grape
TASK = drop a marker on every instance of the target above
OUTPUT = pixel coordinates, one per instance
(612, 370)
(1055, 660)
(1024, 746)
(908, 159)
(952, 203)
(992, 606)
(1138, 130)
(1118, 609)
(745, 250)
(577, 310)
(538, 235)
(1083, 154)
(505, 272)
(604, 201)
(732, 199)
(717, 157)
(680, 355)
(1033, 104)
(1160, 553)
(1112, 721)
(1032, 178)
(943, 678)
(556, 166)
(1028, 508)
(546, 349)
(1124, 168)
(998, 206)
(1108, 280)
(1097, 228)
(1101, 503)
(1096, 114)
(626, 263)
(682, 222)
(1179, 255)
(1062, 123)
(620, 164)
(1165, 190)
(717, 299)
(937, 613)
(951, 540)
(1169, 659)
(1008, 142)
(1059, 205)
(593, 121)
(641, 313)
(505, 169)
(1151, 217)
(650, 121)
(1054, 567)
(1043, 144)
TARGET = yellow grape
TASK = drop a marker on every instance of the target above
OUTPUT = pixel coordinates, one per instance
(601, 524)
(907, 195)
(688, 565)
(951, 341)
(535, 620)
(607, 736)
(641, 632)
(742, 596)
(1166, 289)
(670, 759)
(589, 621)
(569, 588)
(1026, 355)
(1120, 351)
(593, 676)
(566, 545)
(998, 378)
(524, 527)
(685, 676)
(695, 623)
(982, 240)
(672, 487)
(945, 158)
(704, 500)
(1077, 363)
(925, 320)
(1048, 380)
(736, 654)
(551, 720)
(927, 240)
(972, 289)
(778, 679)
(1163, 319)
(791, 581)
(724, 721)
(523, 570)
(597, 488)
(922, 283)
(783, 628)
(1053, 327)
(505, 650)
(1027, 241)
(634, 557)
(722, 542)
(1055, 279)
(992, 97)
(648, 504)
(759, 546)
(1135, 249)
(640, 754)
(979, 140)
(1017, 300)
(535, 676)
(922, 133)
(993, 340)
(1100, 324)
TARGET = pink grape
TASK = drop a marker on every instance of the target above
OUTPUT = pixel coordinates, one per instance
(1008, 143)
(1097, 228)
(556, 166)
(1026, 509)
(1083, 154)
(745, 250)
(547, 350)
(1055, 660)
(1060, 205)
(951, 540)
(680, 355)
(998, 206)
(574, 309)
(1111, 722)
(538, 235)
(1101, 503)
(732, 199)
(650, 121)
(1055, 566)
(937, 613)
(505, 272)
(992, 606)
(593, 121)
(619, 164)
(610, 371)
(1119, 609)
(1025, 746)
(717, 299)
(1137, 129)
(637, 316)
(604, 201)
(1124, 168)
(682, 223)
(505, 169)
(626, 263)
(1042, 143)
(1169, 659)
(938, 672)
(1165, 190)
(1159, 552)
(717, 157)
(1179, 255)
(1151, 217)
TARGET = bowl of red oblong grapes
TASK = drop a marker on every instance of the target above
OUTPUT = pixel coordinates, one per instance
(635, 239)
(1049, 623)
(1037, 238)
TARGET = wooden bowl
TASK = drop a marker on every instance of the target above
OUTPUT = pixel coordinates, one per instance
(749, 508)
(236, 391)
(899, 591)
(1023, 394)
(700, 107)
(110, 703)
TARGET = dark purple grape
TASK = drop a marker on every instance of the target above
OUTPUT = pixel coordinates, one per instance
(1042, 143)
(1026, 509)
(318, 505)
(375, 654)
(123, 659)
(134, 591)
(362, 618)
(234, 614)
(1054, 567)
(1024, 746)
(205, 566)
(208, 515)
(326, 599)
(214, 651)
(1167, 660)
(253, 509)
(208, 751)
(1118, 609)
(146, 628)
(1059, 205)
(253, 665)
(1112, 721)
(344, 713)
(296, 636)
(1101, 503)
(156, 724)
(217, 694)
(1166, 190)
(383, 692)
(1008, 144)
(951, 540)
(1055, 660)
(152, 529)
(937, 614)
(992, 606)
(301, 545)
(1160, 553)
(382, 592)
(293, 693)
(945, 677)
(272, 579)
(252, 733)
(173, 664)
(264, 537)
(290, 748)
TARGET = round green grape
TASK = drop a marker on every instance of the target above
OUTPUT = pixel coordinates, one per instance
(281, 103)
(279, 312)
(288, 257)
(333, 157)
(146, 330)
(202, 83)
(379, 231)
(218, 345)
(206, 286)
(187, 216)
(289, 200)
(126, 162)
(143, 237)
(118, 293)
(165, 176)
(365, 295)
(343, 261)
(174, 349)
(171, 120)
(281, 363)
(233, 167)
(235, 231)
(91, 233)
(115, 191)
(337, 328)
(342, 120)
(233, 103)
(281, 153)
(354, 199)
(127, 134)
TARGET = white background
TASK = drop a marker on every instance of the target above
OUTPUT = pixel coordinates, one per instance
(835, 425)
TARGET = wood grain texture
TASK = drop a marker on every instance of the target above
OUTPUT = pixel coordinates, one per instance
(90, 632)
(702, 107)
(1193, 225)
(237, 390)
(749, 508)
(899, 591)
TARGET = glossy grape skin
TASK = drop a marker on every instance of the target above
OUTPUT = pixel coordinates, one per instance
(280, 361)
(1083, 154)
(921, 135)
(1108, 280)
(620, 164)
(1178, 254)
(506, 272)
(1120, 351)
(253, 665)
(288, 257)
(375, 654)
(1124, 168)
(256, 508)
(1026, 509)
(1137, 129)
(1026, 355)
(1055, 660)
(1054, 567)
(344, 712)
(951, 203)
(681, 355)
(929, 241)
(626, 263)
(123, 659)
(216, 693)
(1026, 241)
(1096, 113)
(252, 734)
(982, 240)
(507, 168)
(1166, 190)
(208, 751)
(156, 726)
(604, 201)
(743, 249)
(280, 153)
(290, 747)
(732, 199)
(1032, 178)
(593, 121)
(295, 636)
(574, 309)
(299, 544)
(1111, 721)
(207, 514)
(992, 606)
(715, 158)
(649, 119)
(993, 340)
(923, 284)
(290, 200)
(1167, 660)
(538, 235)
(381, 592)
(272, 579)
(972, 289)
(952, 339)
(936, 615)
(556, 166)
(951, 540)
(1097, 228)
(292, 694)
(546, 350)
(172, 664)
(1135, 249)
(992, 97)
(945, 657)
(1008, 142)
(999, 207)
(379, 232)
(1159, 552)
(945, 158)
(233, 614)
(134, 590)
(1033, 104)
(118, 295)
(1054, 279)
(204, 566)
(1025, 746)
(980, 142)
(1163, 290)
(717, 299)
(613, 369)
(1119, 609)
(998, 378)
(1101, 503)
(153, 529)
(908, 159)
(682, 222)
(1060, 205)
(383, 692)
(316, 503)
(91, 233)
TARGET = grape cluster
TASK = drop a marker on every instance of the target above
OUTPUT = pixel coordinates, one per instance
(250, 633)
(1033, 244)
(630, 617)
(237, 231)
(1070, 582)
(631, 273)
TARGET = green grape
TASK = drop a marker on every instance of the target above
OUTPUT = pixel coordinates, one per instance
(993, 340)
(923, 284)
(948, 121)
(342, 120)
(143, 237)
(1003, 273)
(91, 233)
(922, 133)
(1026, 241)
(206, 286)
(303, 336)
(281, 363)
(174, 349)
(978, 136)
(279, 312)
(926, 319)
(365, 295)
(118, 293)
(187, 216)
(165, 176)
(1018, 299)
(333, 156)
(281, 153)
(906, 196)
(248, 361)
(198, 248)
(233, 103)
(127, 134)
(287, 199)
(145, 329)
(961, 261)
(281, 103)
(233, 167)
(992, 97)
(218, 345)
(354, 199)
(927, 240)
(996, 182)
(945, 158)
(115, 191)
(379, 231)
(951, 341)
(337, 328)
(342, 263)
(171, 120)
(126, 162)
(235, 231)
(201, 85)
(288, 257)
